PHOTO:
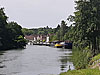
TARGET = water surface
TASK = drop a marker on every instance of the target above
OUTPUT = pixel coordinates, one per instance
(35, 60)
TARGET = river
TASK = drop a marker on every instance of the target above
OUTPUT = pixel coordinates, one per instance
(35, 60)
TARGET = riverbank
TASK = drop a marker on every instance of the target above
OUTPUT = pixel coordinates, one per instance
(83, 72)
(93, 68)
(6, 49)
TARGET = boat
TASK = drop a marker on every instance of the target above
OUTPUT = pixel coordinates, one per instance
(58, 45)
(68, 45)
(52, 44)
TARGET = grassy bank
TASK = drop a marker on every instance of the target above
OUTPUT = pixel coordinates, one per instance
(88, 70)
(83, 72)
(81, 57)
(97, 57)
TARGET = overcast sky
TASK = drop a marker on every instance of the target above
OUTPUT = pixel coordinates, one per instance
(38, 13)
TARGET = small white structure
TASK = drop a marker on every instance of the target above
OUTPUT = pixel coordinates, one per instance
(35, 39)
(47, 39)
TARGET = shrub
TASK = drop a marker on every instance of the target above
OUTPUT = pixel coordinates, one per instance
(81, 57)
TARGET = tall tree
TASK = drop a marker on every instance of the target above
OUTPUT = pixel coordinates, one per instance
(3, 30)
(87, 23)
(11, 35)
(15, 35)
(63, 29)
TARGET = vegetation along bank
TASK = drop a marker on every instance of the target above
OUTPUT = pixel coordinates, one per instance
(11, 35)
(86, 36)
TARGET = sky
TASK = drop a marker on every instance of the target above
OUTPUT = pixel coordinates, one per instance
(38, 13)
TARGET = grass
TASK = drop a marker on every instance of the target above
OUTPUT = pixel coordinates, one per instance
(80, 58)
(95, 58)
(82, 72)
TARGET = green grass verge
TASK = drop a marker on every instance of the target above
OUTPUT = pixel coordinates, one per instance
(82, 72)
(81, 58)
(97, 57)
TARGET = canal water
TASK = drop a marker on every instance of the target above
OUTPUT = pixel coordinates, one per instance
(35, 60)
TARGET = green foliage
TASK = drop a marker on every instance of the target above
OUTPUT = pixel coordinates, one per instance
(54, 37)
(81, 57)
(63, 30)
(55, 33)
(95, 58)
(38, 31)
(16, 35)
(3, 30)
(70, 34)
(86, 29)
(60, 31)
(82, 72)
(20, 41)
(27, 31)
(10, 33)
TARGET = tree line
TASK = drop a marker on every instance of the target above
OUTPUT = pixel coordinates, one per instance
(11, 35)
(86, 31)
(55, 33)
(85, 28)
(38, 31)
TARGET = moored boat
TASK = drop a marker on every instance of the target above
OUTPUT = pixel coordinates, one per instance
(57, 45)
(68, 45)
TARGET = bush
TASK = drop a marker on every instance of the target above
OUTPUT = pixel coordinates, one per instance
(81, 57)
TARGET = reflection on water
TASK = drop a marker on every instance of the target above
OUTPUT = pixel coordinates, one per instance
(35, 60)
(65, 59)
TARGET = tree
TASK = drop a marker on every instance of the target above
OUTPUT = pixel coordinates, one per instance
(28, 31)
(3, 30)
(15, 35)
(11, 35)
(63, 29)
(87, 24)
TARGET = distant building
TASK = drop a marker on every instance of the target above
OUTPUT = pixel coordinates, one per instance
(30, 37)
(37, 38)
(41, 38)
